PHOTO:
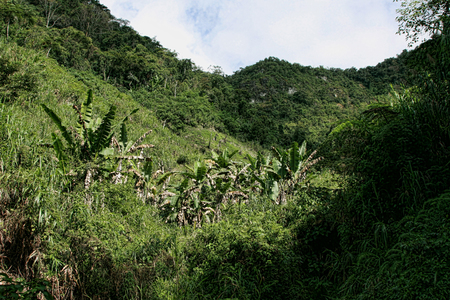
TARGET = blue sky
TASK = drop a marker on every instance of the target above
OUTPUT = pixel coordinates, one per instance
(237, 33)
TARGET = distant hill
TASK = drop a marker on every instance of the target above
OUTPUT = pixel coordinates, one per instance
(271, 102)
(277, 102)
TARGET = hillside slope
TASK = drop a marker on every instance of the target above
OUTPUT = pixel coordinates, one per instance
(295, 102)
(118, 179)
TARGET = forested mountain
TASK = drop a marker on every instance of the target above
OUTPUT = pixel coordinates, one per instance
(128, 173)
(295, 102)
(277, 102)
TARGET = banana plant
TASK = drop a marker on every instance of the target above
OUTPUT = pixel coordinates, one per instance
(124, 149)
(91, 136)
(287, 163)
(89, 141)
(257, 163)
(277, 176)
(151, 185)
(231, 180)
(290, 167)
(189, 202)
(223, 161)
(202, 192)
(266, 180)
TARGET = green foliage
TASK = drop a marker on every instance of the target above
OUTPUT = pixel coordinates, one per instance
(12, 289)
(398, 155)
(187, 109)
(12, 12)
(18, 75)
(91, 139)
(98, 218)
(245, 258)
(397, 72)
(276, 102)
(412, 263)
(422, 17)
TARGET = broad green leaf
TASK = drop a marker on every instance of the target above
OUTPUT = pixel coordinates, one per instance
(86, 109)
(163, 177)
(85, 117)
(123, 140)
(273, 190)
(262, 160)
(278, 154)
(233, 153)
(174, 201)
(107, 152)
(147, 170)
(302, 150)
(200, 171)
(274, 175)
(196, 202)
(294, 161)
(214, 155)
(252, 162)
(173, 216)
(59, 149)
(184, 184)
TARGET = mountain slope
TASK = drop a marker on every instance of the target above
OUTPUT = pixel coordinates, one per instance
(276, 102)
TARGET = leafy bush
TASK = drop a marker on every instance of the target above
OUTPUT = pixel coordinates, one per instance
(13, 289)
(414, 267)
(246, 256)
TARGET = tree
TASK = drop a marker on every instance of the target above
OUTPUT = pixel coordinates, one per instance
(91, 18)
(418, 17)
(50, 8)
(11, 12)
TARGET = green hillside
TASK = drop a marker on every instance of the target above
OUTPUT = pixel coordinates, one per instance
(128, 173)
(296, 102)
(277, 102)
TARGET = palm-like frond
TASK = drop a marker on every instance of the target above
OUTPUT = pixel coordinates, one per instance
(123, 139)
(103, 134)
(85, 117)
(59, 149)
(58, 123)
(294, 162)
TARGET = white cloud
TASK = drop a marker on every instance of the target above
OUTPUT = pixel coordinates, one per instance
(237, 33)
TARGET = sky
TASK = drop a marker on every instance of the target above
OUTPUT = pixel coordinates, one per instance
(234, 34)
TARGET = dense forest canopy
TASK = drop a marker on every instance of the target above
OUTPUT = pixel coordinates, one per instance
(128, 173)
